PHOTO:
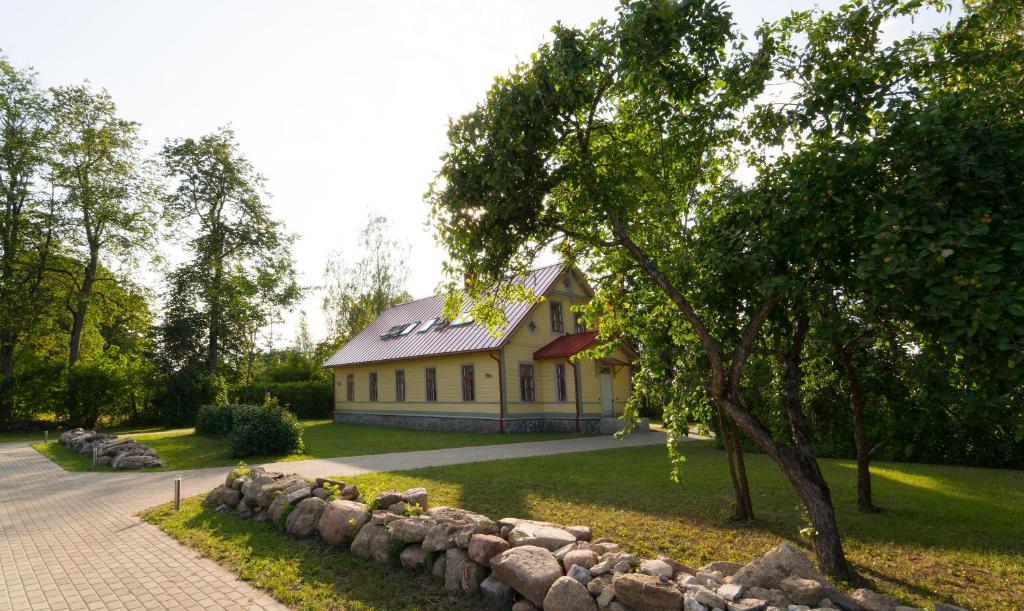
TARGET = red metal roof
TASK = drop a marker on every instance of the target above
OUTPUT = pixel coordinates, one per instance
(566, 346)
(368, 347)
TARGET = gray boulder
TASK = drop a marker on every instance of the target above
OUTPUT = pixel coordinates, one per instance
(341, 520)
(647, 592)
(230, 496)
(805, 591)
(417, 497)
(411, 530)
(529, 569)
(656, 568)
(567, 594)
(869, 600)
(363, 543)
(782, 561)
(473, 575)
(387, 498)
(305, 517)
(455, 560)
(496, 591)
(484, 547)
(440, 537)
(540, 535)
(413, 557)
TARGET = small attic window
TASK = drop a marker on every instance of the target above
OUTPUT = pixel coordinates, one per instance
(393, 331)
(462, 319)
(408, 328)
(427, 325)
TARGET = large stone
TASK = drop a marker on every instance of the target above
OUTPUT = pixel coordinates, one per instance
(582, 533)
(341, 521)
(350, 493)
(524, 605)
(747, 604)
(529, 569)
(411, 530)
(484, 547)
(440, 537)
(496, 591)
(539, 535)
(782, 561)
(775, 598)
(387, 498)
(579, 573)
(709, 598)
(690, 604)
(869, 600)
(367, 534)
(731, 591)
(646, 592)
(582, 557)
(677, 567)
(417, 497)
(266, 492)
(413, 557)
(473, 575)
(135, 461)
(439, 567)
(567, 594)
(214, 498)
(455, 560)
(305, 517)
(805, 591)
(656, 568)
(461, 516)
(230, 496)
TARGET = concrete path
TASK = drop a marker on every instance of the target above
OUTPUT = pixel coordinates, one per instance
(71, 540)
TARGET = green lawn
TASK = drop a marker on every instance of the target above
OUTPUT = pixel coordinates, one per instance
(303, 574)
(183, 449)
(947, 533)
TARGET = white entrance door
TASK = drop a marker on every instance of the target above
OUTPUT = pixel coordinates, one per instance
(607, 399)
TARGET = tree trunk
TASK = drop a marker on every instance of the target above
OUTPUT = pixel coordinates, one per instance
(8, 342)
(82, 308)
(860, 438)
(744, 508)
(801, 466)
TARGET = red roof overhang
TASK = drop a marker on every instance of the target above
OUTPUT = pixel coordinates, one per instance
(566, 346)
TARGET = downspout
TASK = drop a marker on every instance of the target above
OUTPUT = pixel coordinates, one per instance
(334, 389)
(500, 360)
(576, 388)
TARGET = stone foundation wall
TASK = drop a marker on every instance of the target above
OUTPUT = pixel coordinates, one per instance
(470, 425)
(524, 564)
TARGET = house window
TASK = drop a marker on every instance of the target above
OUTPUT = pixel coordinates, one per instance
(373, 386)
(557, 324)
(431, 384)
(579, 323)
(399, 385)
(560, 392)
(350, 387)
(468, 385)
(526, 387)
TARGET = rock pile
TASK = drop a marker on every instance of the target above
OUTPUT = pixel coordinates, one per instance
(118, 453)
(525, 564)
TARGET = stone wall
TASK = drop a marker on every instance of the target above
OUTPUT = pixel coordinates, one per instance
(118, 453)
(525, 564)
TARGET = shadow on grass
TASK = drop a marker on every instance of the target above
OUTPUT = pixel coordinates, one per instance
(305, 574)
(939, 521)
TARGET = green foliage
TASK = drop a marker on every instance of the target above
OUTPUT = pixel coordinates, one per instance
(242, 470)
(282, 518)
(306, 399)
(215, 420)
(263, 431)
(332, 490)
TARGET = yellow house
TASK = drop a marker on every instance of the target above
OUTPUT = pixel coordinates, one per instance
(412, 369)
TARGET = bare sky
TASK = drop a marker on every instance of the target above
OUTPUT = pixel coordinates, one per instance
(342, 105)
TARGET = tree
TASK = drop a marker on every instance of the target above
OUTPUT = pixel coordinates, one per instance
(27, 223)
(107, 194)
(357, 292)
(241, 268)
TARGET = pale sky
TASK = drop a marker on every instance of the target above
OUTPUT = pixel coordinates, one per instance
(342, 105)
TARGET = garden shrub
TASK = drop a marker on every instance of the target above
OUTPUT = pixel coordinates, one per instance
(306, 399)
(214, 420)
(261, 431)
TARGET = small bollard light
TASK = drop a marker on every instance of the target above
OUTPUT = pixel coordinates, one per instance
(95, 458)
(177, 493)
(46, 436)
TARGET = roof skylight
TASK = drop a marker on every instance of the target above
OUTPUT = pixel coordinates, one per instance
(427, 325)
(462, 319)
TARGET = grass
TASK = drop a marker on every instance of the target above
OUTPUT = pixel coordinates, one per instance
(954, 534)
(183, 449)
(301, 573)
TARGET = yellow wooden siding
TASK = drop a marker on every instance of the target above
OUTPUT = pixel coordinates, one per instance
(449, 385)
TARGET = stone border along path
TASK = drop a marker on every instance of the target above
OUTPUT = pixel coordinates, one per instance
(71, 540)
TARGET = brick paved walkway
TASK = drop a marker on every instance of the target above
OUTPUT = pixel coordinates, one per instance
(71, 540)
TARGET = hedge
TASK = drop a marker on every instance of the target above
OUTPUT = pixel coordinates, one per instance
(214, 420)
(308, 399)
(263, 431)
